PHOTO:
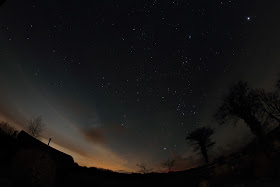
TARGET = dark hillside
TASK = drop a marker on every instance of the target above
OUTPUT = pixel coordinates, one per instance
(27, 161)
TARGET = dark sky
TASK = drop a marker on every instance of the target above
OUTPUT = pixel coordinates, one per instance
(122, 82)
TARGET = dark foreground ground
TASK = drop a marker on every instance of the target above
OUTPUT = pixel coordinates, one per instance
(261, 171)
(26, 162)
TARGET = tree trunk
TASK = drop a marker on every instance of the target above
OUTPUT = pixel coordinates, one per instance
(204, 154)
(256, 128)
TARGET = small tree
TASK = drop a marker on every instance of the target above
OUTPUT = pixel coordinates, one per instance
(36, 127)
(143, 168)
(169, 163)
(6, 129)
(200, 140)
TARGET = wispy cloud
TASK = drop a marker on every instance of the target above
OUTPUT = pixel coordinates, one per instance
(94, 135)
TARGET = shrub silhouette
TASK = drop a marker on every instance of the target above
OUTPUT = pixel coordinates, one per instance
(7, 143)
(6, 129)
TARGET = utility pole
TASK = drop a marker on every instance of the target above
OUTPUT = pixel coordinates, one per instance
(49, 141)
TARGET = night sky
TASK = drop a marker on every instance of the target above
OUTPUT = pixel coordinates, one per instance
(122, 82)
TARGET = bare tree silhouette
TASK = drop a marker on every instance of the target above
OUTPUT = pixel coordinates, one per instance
(200, 140)
(36, 127)
(278, 84)
(143, 168)
(270, 103)
(7, 129)
(169, 163)
(243, 103)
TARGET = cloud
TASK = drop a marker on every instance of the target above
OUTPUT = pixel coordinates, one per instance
(94, 135)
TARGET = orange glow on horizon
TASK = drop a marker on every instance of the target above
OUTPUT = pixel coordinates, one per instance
(87, 161)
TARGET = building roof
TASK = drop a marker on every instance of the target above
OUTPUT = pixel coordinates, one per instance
(27, 141)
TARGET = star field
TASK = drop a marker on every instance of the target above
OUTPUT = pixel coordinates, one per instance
(141, 72)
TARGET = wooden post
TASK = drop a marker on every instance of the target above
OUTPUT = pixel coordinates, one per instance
(49, 141)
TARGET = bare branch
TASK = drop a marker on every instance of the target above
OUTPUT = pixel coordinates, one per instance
(6, 129)
(169, 163)
(143, 168)
(36, 127)
(243, 103)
